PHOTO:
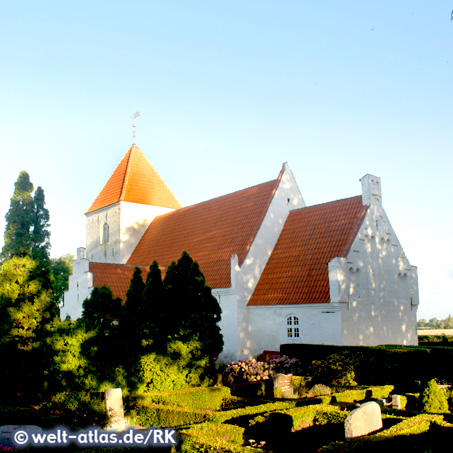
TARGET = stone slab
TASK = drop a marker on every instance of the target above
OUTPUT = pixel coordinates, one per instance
(363, 420)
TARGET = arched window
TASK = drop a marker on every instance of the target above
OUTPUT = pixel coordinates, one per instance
(292, 326)
(105, 233)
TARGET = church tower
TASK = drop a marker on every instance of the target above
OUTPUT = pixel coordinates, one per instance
(132, 197)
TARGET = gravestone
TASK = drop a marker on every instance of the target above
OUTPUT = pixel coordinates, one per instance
(363, 420)
(115, 410)
(396, 401)
(283, 386)
(9, 440)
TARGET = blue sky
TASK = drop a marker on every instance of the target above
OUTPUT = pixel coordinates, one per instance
(228, 91)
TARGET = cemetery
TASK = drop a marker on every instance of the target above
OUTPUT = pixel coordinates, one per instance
(327, 411)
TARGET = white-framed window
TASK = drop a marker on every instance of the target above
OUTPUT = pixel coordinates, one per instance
(105, 233)
(292, 326)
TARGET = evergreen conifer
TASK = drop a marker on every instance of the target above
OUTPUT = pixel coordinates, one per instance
(40, 231)
(19, 219)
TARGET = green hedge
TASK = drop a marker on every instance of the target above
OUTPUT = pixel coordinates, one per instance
(351, 396)
(306, 416)
(151, 414)
(169, 416)
(204, 398)
(390, 364)
(214, 437)
(408, 427)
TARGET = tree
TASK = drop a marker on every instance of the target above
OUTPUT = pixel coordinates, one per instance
(101, 311)
(433, 399)
(133, 321)
(195, 311)
(19, 219)
(25, 313)
(153, 303)
(27, 225)
(40, 231)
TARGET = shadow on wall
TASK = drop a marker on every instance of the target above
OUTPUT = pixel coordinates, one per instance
(131, 236)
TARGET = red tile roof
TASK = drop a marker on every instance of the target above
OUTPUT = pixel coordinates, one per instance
(210, 232)
(297, 271)
(116, 276)
(135, 180)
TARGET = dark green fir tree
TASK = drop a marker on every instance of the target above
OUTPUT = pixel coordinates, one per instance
(18, 239)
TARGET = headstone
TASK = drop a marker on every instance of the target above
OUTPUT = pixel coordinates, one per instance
(13, 436)
(283, 385)
(115, 410)
(363, 420)
(396, 401)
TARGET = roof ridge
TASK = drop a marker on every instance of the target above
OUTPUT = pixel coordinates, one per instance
(327, 202)
(126, 173)
(227, 194)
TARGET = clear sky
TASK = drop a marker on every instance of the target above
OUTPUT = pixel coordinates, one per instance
(228, 91)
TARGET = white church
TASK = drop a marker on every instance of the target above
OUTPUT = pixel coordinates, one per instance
(283, 272)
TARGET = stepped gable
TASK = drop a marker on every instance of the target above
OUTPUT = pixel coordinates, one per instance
(297, 270)
(135, 180)
(211, 232)
(116, 276)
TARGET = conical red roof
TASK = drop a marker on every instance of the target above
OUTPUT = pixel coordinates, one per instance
(135, 180)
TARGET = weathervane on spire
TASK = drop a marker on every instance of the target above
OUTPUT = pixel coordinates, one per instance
(134, 115)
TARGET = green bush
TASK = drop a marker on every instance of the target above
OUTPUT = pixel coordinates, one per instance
(177, 370)
(169, 416)
(211, 398)
(433, 399)
(214, 437)
(336, 369)
(351, 396)
(319, 389)
(389, 364)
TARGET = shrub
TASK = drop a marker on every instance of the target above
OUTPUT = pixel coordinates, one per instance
(209, 398)
(320, 389)
(433, 399)
(286, 365)
(247, 371)
(178, 370)
(166, 416)
(336, 369)
(213, 437)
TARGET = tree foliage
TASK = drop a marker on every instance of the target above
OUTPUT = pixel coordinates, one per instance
(171, 325)
(435, 323)
(19, 219)
(25, 306)
(433, 399)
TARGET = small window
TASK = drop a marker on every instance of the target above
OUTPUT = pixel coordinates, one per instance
(105, 233)
(291, 330)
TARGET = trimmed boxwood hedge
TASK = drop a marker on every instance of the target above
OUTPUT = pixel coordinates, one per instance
(204, 398)
(389, 364)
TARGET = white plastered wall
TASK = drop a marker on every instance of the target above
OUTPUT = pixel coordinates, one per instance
(318, 324)
(245, 278)
(375, 285)
(127, 223)
(80, 287)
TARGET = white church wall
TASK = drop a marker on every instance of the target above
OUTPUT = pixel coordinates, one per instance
(227, 299)
(135, 219)
(375, 286)
(80, 286)
(127, 222)
(245, 278)
(107, 250)
(315, 324)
